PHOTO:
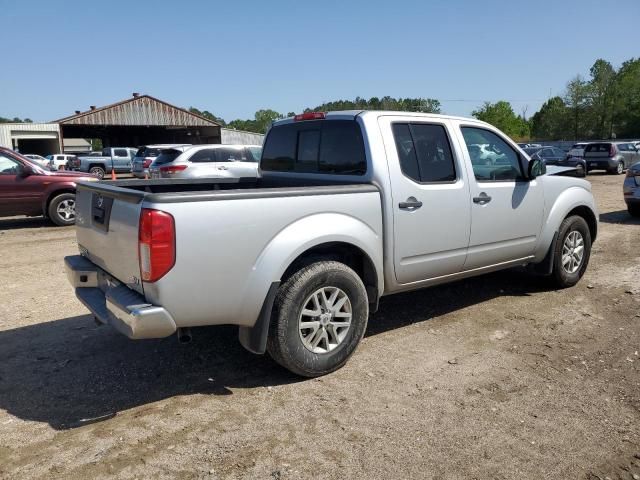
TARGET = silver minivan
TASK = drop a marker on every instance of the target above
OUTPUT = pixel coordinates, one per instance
(206, 161)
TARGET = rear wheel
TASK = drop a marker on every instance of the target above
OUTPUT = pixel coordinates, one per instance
(319, 317)
(572, 251)
(97, 171)
(618, 170)
(634, 210)
(62, 209)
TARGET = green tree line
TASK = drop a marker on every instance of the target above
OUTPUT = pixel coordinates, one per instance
(605, 105)
(15, 120)
(263, 118)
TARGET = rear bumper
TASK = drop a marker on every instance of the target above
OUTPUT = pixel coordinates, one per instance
(606, 164)
(115, 304)
(141, 173)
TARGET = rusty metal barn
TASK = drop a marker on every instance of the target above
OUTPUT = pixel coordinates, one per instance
(140, 120)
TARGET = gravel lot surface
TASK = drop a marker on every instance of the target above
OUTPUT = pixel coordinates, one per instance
(495, 377)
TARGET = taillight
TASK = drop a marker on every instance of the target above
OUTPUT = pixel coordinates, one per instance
(147, 162)
(613, 150)
(173, 168)
(309, 116)
(156, 244)
(633, 173)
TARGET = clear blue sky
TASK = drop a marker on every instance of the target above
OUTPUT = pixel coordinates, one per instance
(235, 57)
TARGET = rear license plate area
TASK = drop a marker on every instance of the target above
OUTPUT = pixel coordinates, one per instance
(101, 211)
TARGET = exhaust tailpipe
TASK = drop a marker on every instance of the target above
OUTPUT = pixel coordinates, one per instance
(184, 335)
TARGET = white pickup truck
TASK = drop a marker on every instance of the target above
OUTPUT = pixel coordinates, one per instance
(350, 206)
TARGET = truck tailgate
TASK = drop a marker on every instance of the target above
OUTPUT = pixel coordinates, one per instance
(107, 220)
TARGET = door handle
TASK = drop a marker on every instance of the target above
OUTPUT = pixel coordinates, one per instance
(411, 204)
(223, 168)
(482, 199)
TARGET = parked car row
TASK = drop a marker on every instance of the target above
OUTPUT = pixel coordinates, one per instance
(611, 156)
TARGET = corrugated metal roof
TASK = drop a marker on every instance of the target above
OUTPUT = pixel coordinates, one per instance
(141, 110)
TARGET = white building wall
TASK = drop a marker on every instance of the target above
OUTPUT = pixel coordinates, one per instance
(8, 131)
(229, 136)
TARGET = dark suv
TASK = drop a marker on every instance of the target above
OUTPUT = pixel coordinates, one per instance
(28, 189)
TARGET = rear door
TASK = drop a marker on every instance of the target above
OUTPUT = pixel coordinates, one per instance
(233, 162)
(203, 164)
(506, 209)
(19, 195)
(431, 211)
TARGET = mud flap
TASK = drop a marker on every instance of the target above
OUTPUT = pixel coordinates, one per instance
(254, 338)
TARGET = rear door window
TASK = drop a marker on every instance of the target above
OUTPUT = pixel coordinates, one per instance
(320, 146)
(229, 154)
(120, 152)
(203, 156)
(424, 152)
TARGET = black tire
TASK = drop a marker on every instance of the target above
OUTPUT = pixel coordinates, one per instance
(561, 277)
(634, 210)
(97, 171)
(59, 209)
(285, 344)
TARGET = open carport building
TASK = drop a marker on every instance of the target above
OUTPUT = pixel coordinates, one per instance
(145, 120)
(38, 138)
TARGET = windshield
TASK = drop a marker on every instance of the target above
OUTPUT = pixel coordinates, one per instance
(254, 154)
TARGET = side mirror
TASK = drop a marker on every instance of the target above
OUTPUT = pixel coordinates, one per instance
(25, 170)
(536, 168)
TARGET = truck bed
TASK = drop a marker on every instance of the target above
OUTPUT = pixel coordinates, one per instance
(233, 237)
(168, 190)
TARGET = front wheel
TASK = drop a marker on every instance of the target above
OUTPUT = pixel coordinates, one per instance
(319, 317)
(62, 209)
(572, 251)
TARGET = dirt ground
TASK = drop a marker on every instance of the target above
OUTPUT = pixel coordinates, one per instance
(497, 377)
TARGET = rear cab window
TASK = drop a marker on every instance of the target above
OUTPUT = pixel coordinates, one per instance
(317, 146)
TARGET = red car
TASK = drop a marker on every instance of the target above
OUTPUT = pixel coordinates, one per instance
(28, 189)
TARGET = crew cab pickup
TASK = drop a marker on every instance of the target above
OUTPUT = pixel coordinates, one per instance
(349, 207)
(117, 159)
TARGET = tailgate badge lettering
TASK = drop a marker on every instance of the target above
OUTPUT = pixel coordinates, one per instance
(100, 201)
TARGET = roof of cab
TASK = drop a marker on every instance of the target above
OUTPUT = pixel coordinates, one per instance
(352, 114)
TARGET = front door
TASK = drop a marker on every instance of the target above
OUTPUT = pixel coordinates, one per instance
(19, 195)
(506, 209)
(121, 160)
(431, 211)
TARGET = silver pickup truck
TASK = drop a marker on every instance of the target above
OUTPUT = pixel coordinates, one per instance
(350, 206)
